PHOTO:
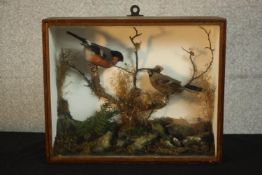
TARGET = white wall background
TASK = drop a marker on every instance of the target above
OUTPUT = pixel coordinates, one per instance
(21, 77)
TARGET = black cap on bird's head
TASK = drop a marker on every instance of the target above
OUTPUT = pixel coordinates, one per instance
(118, 55)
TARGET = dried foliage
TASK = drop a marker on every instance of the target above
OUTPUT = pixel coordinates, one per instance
(96, 86)
(61, 71)
(135, 105)
(122, 84)
(206, 98)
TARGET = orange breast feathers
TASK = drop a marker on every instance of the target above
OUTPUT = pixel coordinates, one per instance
(98, 60)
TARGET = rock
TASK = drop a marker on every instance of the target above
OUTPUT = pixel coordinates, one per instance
(180, 121)
(87, 147)
(207, 138)
(140, 142)
(176, 142)
(202, 126)
(103, 142)
(179, 131)
(120, 142)
(158, 129)
(166, 143)
(192, 140)
(179, 128)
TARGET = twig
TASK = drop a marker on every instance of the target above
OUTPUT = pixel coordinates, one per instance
(194, 76)
(191, 54)
(81, 73)
(150, 113)
(132, 38)
(142, 69)
(211, 51)
(98, 89)
(94, 83)
(123, 69)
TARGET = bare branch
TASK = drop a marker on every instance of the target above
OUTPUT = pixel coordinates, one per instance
(123, 69)
(211, 51)
(150, 113)
(132, 38)
(94, 83)
(191, 54)
(81, 73)
(136, 45)
(143, 69)
(98, 89)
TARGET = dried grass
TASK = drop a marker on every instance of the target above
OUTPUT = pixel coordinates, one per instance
(61, 70)
(135, 105)
(206, 98)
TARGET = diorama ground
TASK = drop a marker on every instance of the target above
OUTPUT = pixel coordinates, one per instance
(102, 134)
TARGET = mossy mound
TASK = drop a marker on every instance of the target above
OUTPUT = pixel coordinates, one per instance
(100, 135)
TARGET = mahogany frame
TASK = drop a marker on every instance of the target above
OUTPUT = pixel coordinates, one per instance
(136, 21)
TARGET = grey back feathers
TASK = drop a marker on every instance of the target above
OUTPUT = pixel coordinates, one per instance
(167, 85)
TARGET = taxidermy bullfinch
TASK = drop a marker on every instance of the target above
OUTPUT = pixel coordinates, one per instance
(99, 55)
(167, 85)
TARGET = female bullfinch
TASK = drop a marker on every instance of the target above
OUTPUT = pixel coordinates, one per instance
(165, 84)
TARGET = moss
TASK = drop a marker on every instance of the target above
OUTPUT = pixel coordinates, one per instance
(130, 132)
(72, 133)
(99, 135)
(97, 124)
(159, 129)
(140, 142)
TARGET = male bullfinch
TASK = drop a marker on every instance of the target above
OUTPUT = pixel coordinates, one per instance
(165, 84)
(99, 55)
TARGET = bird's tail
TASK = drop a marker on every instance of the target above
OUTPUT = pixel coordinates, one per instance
(83, 40)
(194, 88)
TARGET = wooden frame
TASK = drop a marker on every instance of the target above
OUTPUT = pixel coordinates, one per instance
(133, 21)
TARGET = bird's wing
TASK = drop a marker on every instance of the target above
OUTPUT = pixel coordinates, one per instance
(162, 80)
(95, 49)
(166, 80)
(103, 52)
